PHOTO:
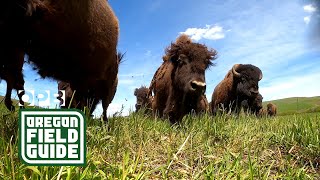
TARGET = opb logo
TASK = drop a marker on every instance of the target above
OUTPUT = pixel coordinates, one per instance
(52, 137)
(42, 99)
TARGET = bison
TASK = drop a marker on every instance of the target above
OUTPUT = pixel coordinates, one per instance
(271, 109)
(179, 83)
(144, 100)
(253, 105)
(240, 83)
(70, 41)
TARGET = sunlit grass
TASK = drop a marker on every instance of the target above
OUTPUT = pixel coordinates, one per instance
(201, 147)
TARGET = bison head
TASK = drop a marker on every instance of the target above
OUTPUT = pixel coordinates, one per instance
(143, 98)
(247, 78)
(256, 103)
(190, 61)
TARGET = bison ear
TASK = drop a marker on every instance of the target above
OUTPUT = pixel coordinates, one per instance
(136, 91)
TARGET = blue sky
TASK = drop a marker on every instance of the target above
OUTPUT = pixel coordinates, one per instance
(271, 34)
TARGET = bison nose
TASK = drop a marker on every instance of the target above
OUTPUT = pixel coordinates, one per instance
(198, 86)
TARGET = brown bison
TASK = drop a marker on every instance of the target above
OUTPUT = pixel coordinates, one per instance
(253, 105)
(240, 83)
(71, 41)
(144, 100)
(271, 109)
(179, 83)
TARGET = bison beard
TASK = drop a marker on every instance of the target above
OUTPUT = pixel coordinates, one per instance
(179, 83)
(71, 41)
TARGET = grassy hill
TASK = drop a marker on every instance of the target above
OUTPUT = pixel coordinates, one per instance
(296, 105)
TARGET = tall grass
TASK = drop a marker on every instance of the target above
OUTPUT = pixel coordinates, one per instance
(200, 147)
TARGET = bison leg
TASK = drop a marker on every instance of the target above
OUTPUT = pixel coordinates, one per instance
(105, 107)
(14, 81)
(8, 101)
(12, 74)
(19, 85)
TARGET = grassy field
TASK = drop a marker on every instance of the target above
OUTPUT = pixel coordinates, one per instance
(296, 105)
(203, 147)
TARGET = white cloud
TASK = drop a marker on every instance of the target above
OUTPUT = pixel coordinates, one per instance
(209, 32)
(307, 19)
(309, 8)
(292, 87)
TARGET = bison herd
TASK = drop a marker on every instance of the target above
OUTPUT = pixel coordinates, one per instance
(75, 43)
(178, 86)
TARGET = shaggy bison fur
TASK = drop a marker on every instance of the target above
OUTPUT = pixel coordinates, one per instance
(240, 83)
(179, 83)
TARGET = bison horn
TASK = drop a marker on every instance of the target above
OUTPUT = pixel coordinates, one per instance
(260, 76)
(234, 70)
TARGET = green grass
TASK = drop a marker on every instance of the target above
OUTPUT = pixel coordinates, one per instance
(296, 105)
(204, 147)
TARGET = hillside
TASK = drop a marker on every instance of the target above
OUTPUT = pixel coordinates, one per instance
(295, 105)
